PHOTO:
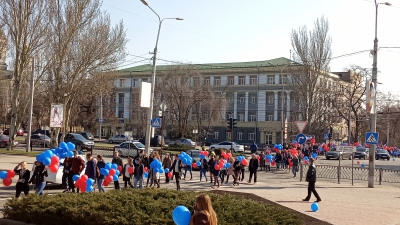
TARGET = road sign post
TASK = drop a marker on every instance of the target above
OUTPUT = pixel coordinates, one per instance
(371, 138)
(156, 122)
(301, 138)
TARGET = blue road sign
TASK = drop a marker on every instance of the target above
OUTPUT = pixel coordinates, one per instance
(326, 136)
(301, 138)
(100, 120)
(371, 138)
(156, 122)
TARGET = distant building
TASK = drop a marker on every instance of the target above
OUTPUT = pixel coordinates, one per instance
(5, 84)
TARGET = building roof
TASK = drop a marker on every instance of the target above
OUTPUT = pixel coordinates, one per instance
(206, 66)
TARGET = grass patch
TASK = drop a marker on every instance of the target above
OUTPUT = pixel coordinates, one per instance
(19, 152)
(148, 206)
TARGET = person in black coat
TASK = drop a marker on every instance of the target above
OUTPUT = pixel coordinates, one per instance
(236, 169)
(117, 160)
(39, 175)
(211, 163)
(253, 167)
(311, 178)
(24, 175)
(176, 169)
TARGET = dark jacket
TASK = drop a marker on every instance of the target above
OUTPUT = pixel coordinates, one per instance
(204, 163)
(278, 158)
(295, 161)
(211, 163)
(117, 161)
(236, 166)
(90, 170)
(145, 161)
(253, 164)
(253, 148)
(311, 174)
(67, 166)
(77, 164)
(101, 164)
(139, 170)
(199, 218)
(173, 166)
(39, 174)
(167, 163)
(25, 176)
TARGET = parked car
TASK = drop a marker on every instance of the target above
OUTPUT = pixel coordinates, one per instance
(155, 141)
(382, 154)
(227, 145)
(20, 132)
(195, 154)
(79, 141)
(89, 136)
(4, 139)
(131, 149)
(361, 153)
(334, 154)
(43, 132)
(184, 141)
(39, 140)
(119, 138)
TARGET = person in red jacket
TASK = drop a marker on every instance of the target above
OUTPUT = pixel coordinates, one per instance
(77, 166)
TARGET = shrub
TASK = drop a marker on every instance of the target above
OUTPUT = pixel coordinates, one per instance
(133, 206)
(178, 147)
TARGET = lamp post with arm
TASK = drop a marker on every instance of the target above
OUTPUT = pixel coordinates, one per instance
(153, 78)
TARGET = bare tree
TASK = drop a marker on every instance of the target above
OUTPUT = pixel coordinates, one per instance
(313, 52)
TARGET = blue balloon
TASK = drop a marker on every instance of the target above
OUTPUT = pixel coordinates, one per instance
(115, 177)
(70, 154)
(180, 156)
(64, 146)
(166, 170)
(314, 207)
(117, 172)
(89, 182)
(102, 171)
(363, 165)
(108, 166)
(89, 188)
(75, 177)
(3, 174)
(54, 151)
(70, 146)
(228, 165)
(59, 150)
(202, 156)
(181, 215)
(39, 158)
(48, 154)
(160, 170)
(185, 161)
(145, 175)
(63, 155)
(46, 161)
(114, 166)
(198, 163)
(106, 172)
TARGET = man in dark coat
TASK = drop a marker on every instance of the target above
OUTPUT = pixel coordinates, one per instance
(176, 169)
(117, 160)
(253, 167)
(311, 178)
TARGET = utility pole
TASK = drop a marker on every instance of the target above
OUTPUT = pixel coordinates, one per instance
(349, 129)
(32, 83)
(101, 114)
(282, 121)
(388, 126)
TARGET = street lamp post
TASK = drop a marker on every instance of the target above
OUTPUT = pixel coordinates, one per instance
(371, 169)
(153, 78)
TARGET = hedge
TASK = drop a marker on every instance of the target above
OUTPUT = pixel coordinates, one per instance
(136, 206)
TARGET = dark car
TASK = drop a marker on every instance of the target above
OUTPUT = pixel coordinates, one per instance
(80, 142)
(39, 140)
(334, 154)
(89, 136)
(42, 132)
(156, 141)
(361, 153)
(382, 154)
(4, 139)
(195, 154)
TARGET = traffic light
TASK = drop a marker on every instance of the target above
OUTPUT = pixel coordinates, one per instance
(234, 123)
(230, 123)
(330, 133)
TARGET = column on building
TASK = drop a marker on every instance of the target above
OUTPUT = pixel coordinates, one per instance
(276, 107)
(261, 106)
(235, 105)
(288, 104)
(246, 107)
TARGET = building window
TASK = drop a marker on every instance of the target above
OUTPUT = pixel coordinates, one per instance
(217, 80)
(146, 80)
(271, 79)
(230, 99)
(229, 135)
(284, 79)
(252, 136)
(253, 80)
(231, 80)
(268, 138)
(270, 117)
(121, 98)
(207, 81)
(230, 115)
(242, 80)
(121, 82)
(241, 117)
(205, 116)
(253, 99)
(216, 135)
(120, 114)
(252, 117)
(241, 100)
(240, 135)
(271, 99)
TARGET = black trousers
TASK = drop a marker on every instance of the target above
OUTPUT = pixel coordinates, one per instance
(71, 181)
(166, 178)
(242, 172)
(21, 187)
(177, 180)
(253, 172)
(311, 188)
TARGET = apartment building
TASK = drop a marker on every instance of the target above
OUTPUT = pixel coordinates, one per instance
(260, 98)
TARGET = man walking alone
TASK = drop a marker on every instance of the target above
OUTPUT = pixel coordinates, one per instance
(311, 178)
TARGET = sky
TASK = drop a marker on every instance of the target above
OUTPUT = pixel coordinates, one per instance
(238, 31)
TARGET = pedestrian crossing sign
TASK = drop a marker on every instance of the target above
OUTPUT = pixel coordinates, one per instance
(156, 122)
(371, 138)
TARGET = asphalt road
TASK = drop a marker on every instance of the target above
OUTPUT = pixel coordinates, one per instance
(384, 164)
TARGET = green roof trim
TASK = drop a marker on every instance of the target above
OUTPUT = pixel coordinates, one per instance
(207, 66)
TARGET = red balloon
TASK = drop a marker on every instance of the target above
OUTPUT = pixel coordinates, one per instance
(145, 169)
(109, 178)
(201, 153)
(358, 162)
(112, 172)
(258, 157)
(120, 168)
(305, 162)
(244, 162)
(54, 168)
(230, 155)
(273, 164)
(267, 160)
(194, 165)
(216, 167)
(105, 183)
(130, 170)
(77, 184)
(85, 177)
(82, 188)
(170, 174)
(7, 181)
(223, 154)
(205, 153)
(221, 165)
(55, 160)
(10, 173)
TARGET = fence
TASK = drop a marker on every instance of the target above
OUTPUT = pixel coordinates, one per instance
(349, 173)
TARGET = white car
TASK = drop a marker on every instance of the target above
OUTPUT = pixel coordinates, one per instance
(119, 138)
(131, 149)
(56, 178)
(227, 145)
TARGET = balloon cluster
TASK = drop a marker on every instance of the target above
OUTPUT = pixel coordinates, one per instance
(226, 155)
(185, 158)
(306, 160)
(51, 157)
(277, 147)
(243, 160)
(314, 155)
(203, 154)
(156, 165)
(270, 159)
(111, 172)
(84, 183)
(7, 176)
